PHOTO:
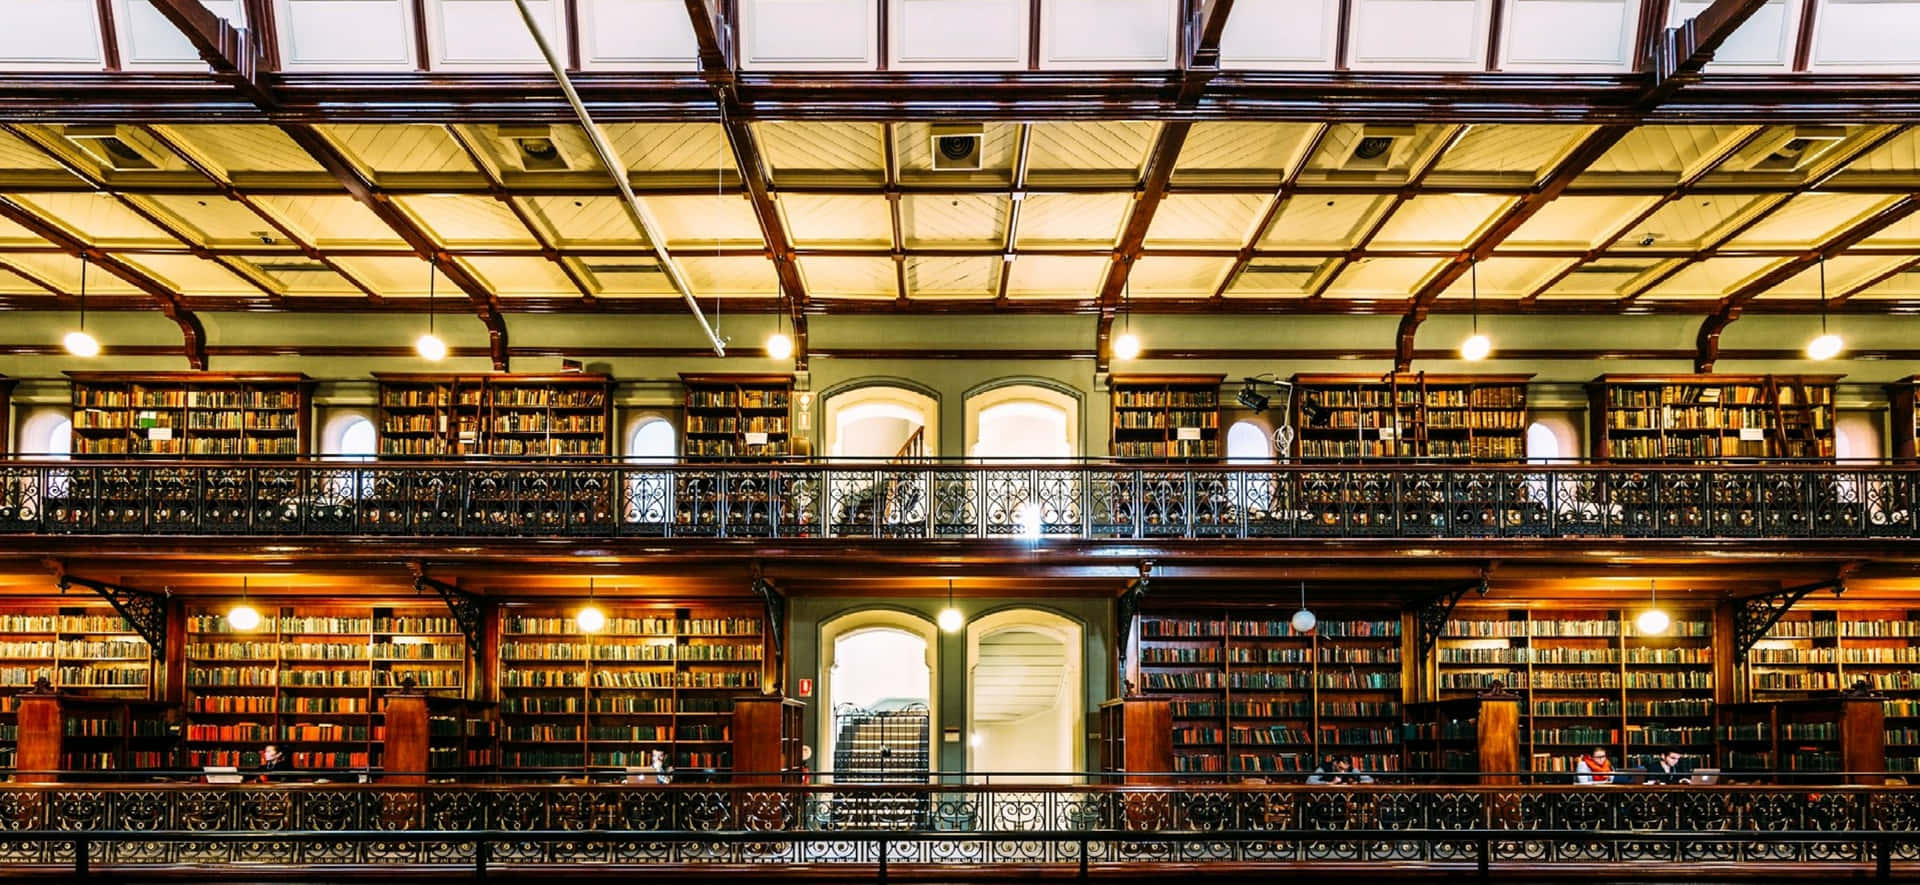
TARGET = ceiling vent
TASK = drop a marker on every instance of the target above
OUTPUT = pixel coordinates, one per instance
(1789, 148)
(535, 148)
(1378, 147)
(956, 146)
(112, 148)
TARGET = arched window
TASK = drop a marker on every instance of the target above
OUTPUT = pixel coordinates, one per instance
(47, 434)
(1023, 429)
(1542, 443)
(59, 439)
(1248, 441)
(360, 440)
(653, 440)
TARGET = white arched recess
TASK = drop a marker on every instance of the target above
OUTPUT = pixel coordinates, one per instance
(1026, 708)
(875, 420)
(1018, 420)
(851, 623)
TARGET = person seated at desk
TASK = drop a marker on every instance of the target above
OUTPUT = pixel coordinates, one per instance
(272, 763)
(656, 770)
(1338, 770)
(1668, 769)
(1594, 768)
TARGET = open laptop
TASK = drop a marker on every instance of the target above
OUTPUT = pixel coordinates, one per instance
(221, 774)
(1705, 775)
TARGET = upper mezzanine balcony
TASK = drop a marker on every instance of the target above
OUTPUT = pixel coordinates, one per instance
(1089, 501)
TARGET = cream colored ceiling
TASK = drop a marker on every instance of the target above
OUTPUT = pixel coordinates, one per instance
(1255, 211)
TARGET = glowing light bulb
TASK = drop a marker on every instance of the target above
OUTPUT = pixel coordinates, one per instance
(81, 344)
(1476, 347)
(1304, 621)
(1652, 622)
(951, 620)
(591, 619)
(779, 346)
(1825, 347)
(243, 617)
(431, 348)
(1126, 347)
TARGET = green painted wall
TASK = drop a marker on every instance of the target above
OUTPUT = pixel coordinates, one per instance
(803, 658)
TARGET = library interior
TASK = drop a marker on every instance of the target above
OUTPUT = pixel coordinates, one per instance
(960, 439)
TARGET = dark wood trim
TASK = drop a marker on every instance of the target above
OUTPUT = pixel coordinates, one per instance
(1653, 23)
(883, 43)
(1033, 35)
(422, 48)
(265, 32)
(1288, 187)
(110, 34)
(572, 13)
(1343, 30)
(501, 194)
(1495, 22)
(1803, 38)
(1680, 53)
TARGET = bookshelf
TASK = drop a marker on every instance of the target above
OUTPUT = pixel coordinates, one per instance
(1411, 415)
(1166, 417)
(6, 413)
(1902, 395)
(1808, 740)
(312, 678)
(1811, 652)
(1586, 679)
(198, 414)
(768, 732)
(737, 416)
(1134, 736)
(83, 650)
(1248, 694)
(658, 677)
(496, 415)
(1708, 417)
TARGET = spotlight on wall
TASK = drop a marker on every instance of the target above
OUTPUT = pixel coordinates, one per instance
(1251, 398)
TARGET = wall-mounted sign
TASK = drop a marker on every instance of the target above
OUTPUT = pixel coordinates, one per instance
(806, 686)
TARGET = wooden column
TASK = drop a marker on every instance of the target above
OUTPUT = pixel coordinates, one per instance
(1137, 736)
(406, 741)
(1499, 737)
(42, 735)
(766, 738)
(1863, 735)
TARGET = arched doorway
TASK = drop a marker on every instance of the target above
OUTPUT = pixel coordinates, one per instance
(878, 677)
(881, 421)
(1025, 421)
(1025, 702)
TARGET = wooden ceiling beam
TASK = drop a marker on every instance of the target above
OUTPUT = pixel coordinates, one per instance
(1288, 187)
(1707, 342)
(502, 195)
(233, 53)
(1679, 53)
(1574, 165)
(713, 33)
(192, 333)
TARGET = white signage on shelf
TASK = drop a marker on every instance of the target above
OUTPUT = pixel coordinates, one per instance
(159, 433)
(1752, 433)
(756, 438)
(1186, 433)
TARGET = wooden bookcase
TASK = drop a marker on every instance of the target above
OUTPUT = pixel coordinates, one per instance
(658, 677)
(200, 414)
(1479, 734)
(84, 650)
(1586, 679)
(1815, 650)
(1408, 416)
(1902, 395)
(496, 415)
(737, 416)
(1248, 694)
(1135, 737)
(313, 677)
(1710, 417)
(1805, 740)
(7, 424)
(77, 733)
(1166, 417)
(768, 732)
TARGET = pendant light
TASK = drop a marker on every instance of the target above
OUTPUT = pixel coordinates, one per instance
(1477, 346)
(429, 346)
(590, 618)
(951, 620)
(1304, 620)
(243, 616)
(78, 342)
(1828, 345)
(779, 346)
(1127, 345)
(1653, 621)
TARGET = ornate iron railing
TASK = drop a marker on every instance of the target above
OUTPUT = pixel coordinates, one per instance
(957, 500)
(845, 824)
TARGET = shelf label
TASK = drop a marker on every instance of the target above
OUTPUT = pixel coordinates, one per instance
(1752, 433)
(1388, 433)
(145, 419)
(159, 433)
(1186, 433)
(756, 438)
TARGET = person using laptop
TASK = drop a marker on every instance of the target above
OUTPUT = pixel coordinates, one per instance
(1667, 768)
(272, 762)
(1594, 768)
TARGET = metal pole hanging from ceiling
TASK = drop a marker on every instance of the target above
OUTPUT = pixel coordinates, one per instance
(642, 219)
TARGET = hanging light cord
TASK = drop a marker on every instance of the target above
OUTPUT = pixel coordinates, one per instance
(83, 291)
(1473, 277)
(1823, 294)
(433, 272)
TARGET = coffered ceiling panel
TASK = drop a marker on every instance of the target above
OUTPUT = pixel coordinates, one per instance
(1039, 276)
(1089, 152)
(1072, 219)
(1445, 221)
(960, 220)
(1382, 278)
(1317, 221)
(583, 221)
(1224, 220)
(1245, 153)
(823, 152)
(953, 277)
(863, 222)
(1713, 278)
(830, 277)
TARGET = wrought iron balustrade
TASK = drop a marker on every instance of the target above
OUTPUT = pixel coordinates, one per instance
(957, 500)
(1846, 827)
